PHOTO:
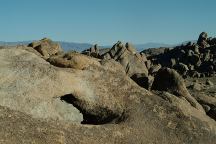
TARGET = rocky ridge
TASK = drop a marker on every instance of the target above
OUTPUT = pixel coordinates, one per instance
(190, 60)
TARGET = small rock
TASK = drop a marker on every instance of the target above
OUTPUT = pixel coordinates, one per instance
(202, 41)
(209, 83)
(148, 64)
(195, 74)
(155, 68)
(130, 48)
(196, 86)
(172, 62)
(206, 107)
(181, 68)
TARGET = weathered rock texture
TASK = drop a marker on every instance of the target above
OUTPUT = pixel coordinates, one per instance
(127, 56)
(204, 92)
(169, 80)
(34, 93)
(46, 47)
(46, 101)
(72, 60)
(29, 84)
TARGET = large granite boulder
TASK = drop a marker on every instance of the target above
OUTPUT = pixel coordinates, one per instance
(126, 55)
(46, 47)
(170, 81)
(31, 85)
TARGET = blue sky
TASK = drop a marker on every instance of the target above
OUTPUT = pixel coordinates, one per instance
(107, 21)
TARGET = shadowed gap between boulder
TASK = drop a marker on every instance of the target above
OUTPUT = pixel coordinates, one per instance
(96, 116)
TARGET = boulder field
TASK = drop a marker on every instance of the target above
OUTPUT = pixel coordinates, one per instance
(48, 96)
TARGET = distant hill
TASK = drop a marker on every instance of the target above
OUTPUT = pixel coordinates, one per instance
(192, 41)
(67, 46)
(2, 43)
(141, 47)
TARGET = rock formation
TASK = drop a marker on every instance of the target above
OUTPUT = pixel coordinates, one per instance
(190, 60)
(93, 51)
(202, 41)
(72, 60)
(48, 96)
(46, 47)
(126, 55)
(169, 80)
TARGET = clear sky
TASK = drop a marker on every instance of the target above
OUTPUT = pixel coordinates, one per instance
(107, 21)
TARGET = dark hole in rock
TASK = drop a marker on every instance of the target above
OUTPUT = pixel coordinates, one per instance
(97, 115)
(69, 58)
(141, 81)
(212, 113)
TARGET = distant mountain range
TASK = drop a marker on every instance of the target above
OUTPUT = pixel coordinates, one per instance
(67, 46)
(141, 47)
